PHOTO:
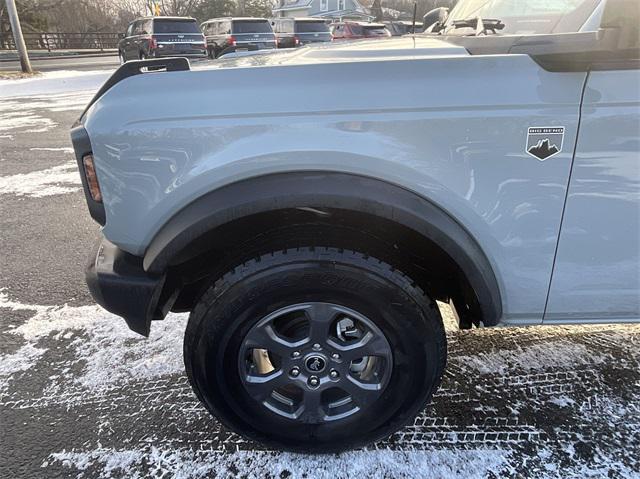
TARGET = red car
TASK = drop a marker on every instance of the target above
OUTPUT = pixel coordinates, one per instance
(354, 30)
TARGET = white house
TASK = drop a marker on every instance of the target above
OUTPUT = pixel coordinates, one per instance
(330, 9)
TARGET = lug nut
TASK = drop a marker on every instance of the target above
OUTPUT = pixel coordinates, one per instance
(317, 346)
(295, 354)
(335, 356)
(313, 381)
(334, 374)
(294, 372)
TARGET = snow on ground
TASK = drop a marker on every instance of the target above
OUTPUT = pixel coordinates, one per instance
(110, 352)
(54, 82)
(564, 354)
(183, 463)
(56, 180)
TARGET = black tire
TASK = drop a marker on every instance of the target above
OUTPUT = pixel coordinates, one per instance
(226, 312)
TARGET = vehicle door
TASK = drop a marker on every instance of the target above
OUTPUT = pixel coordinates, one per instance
(207, 30)
(223, 36)
(596, 276)
(130, 41)
(144, 37)
(124, 42)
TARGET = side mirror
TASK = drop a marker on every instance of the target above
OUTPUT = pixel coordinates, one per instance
(434, 20)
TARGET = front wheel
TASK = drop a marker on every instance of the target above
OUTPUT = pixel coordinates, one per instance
(315, 349)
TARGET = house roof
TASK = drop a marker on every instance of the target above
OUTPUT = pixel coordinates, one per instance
(296, 5)
(344, 13)
(366, 3)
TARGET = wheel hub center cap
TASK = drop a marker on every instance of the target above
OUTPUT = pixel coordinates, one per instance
(315, 364)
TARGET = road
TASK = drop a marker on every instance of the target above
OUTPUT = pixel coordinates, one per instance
(65, 63)
(80, 395)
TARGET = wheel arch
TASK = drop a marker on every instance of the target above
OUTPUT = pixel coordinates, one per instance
(348, 192)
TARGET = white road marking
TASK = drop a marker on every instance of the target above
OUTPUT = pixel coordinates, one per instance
(63, 149)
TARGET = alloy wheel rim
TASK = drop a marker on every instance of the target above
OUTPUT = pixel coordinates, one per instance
(315, 362)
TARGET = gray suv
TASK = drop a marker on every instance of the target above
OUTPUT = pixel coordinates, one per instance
(296, 32)
(310, 208)
(229, 35)
(154, 37)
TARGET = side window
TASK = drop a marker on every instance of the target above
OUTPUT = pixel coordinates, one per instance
(129, 30)
(324, 5)
(137, 28)
(147, 27)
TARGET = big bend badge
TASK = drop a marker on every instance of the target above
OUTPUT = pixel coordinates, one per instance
(545, 142)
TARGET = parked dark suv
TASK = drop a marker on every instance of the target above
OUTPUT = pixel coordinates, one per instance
(293, 32)
(162, 36)
(227, 35)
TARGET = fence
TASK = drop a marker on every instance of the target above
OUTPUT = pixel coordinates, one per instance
(64, 41)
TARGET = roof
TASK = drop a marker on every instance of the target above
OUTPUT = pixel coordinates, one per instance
(162, 17)
(295, 5)
(248, 19)
(344, 13)
(365, 24)
(308, 19)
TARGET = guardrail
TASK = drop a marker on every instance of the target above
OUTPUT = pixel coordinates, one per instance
(64, 41)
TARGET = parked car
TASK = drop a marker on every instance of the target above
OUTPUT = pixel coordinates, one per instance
(398, 28)
(356, 30)
(237, 34)
(295, 32)
(311, 238)
(154, 37)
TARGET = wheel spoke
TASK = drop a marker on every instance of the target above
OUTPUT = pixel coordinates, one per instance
(265, 337)
(320, 316)
(361, 393)
(312, 407)
(261, 387)
(369, 345)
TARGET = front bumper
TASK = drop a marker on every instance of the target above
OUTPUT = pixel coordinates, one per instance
(118, 283)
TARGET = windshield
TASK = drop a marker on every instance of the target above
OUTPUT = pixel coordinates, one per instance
(523, 17)
(175, 26)
(368, 30)
(259, 26)
(312, 27)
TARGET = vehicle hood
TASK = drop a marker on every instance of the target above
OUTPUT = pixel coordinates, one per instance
(399, 48)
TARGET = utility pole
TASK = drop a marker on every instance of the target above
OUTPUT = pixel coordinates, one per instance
(12, 11)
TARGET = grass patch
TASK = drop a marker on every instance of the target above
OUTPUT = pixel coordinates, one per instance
(17, 75)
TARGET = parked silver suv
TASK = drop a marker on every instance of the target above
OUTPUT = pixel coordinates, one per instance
(310, 207)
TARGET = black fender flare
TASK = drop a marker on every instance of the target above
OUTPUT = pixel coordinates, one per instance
(329, 190)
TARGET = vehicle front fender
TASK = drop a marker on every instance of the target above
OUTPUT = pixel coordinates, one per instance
(329, 190)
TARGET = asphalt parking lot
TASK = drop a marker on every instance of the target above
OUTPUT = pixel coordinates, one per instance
(80, 395)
